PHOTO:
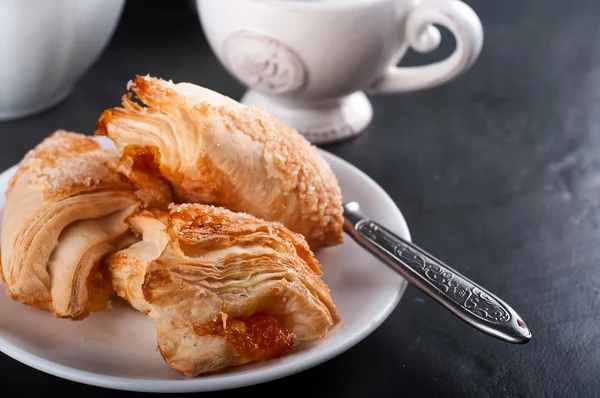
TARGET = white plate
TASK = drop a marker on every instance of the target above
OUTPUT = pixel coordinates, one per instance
(117, 348)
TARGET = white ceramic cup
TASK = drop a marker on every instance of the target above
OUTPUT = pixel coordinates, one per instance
(46, 46)
(309, 62)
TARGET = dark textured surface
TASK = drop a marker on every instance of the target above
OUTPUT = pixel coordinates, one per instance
(497, 172)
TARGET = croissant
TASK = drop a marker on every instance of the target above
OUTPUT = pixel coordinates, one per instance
(214, 150)
(223, 288)
(65, 209)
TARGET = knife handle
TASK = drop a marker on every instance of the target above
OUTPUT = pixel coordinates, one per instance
(463, 297)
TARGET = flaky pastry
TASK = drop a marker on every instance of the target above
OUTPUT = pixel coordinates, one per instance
(214, 150)
(65, 209)
(223, 288)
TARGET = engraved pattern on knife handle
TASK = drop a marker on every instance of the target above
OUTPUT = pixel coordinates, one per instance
(454, 287)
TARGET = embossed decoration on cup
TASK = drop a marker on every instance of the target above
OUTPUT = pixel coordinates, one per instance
(309, 63)
(261, 61)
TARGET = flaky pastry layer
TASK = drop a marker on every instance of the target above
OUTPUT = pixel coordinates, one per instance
(214, 150)
(224, 288)
(66, 207)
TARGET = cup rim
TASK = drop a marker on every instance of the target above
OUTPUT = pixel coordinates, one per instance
(312, 5)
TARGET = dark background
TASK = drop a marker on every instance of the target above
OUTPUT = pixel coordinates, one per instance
(497, 172)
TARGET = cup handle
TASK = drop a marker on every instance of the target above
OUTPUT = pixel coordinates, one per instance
(422, 36)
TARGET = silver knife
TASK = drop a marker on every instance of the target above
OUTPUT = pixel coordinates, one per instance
(463, 297)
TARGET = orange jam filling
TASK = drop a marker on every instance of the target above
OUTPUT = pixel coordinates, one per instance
(256, 337)
(103, 121)
(98, 290)
(146, 159)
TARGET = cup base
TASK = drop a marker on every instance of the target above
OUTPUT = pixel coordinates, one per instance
(319, 123)
(19, 113)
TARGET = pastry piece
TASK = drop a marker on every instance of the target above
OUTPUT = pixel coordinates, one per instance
(224, 288)
(214, 150)
(65, 209)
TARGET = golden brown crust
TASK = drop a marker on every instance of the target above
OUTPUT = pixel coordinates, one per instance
(223, 288)
(65, 210)
(57, 163)
(52, 151)
(193, 223)
(217, 151)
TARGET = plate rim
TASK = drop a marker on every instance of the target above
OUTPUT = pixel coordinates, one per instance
(220, 382)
